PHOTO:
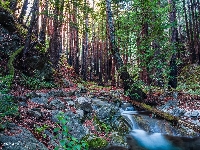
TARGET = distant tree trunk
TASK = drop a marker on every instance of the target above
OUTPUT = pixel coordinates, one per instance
(174, 40)
(34, 12)
(134, 92)
(191, 43)
(42, 34)
(85, 46)
(55, 40)
(23, 11)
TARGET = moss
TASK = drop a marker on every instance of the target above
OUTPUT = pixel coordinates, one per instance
(157, 112)
(11, 59)
(97, 143)
(22, 31)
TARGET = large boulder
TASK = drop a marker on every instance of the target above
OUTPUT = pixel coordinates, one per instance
(18, 138)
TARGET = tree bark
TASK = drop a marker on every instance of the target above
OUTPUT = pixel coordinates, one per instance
(130, 87)
(174, 39)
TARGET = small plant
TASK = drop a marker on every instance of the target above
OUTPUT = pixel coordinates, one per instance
(103, 127)
(40, 130)
(68, 142)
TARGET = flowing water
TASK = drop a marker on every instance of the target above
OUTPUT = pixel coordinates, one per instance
(151, 133)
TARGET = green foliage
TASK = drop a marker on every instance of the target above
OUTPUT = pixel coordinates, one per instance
(68, 142)
(7, 107)
(40, 130)
(189, 79)
(5, 83)
(149, 50)
(5, 4)
(22, 31)
(97, 143)
(103, 127)
(35, 83)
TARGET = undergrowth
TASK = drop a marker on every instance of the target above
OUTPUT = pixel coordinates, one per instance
(35, 83)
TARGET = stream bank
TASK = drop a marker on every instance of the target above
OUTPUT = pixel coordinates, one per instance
(91, 115)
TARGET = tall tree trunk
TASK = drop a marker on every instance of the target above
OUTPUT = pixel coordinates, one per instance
(134, 92)
(55, 40)
(174, 39)
(42, 34)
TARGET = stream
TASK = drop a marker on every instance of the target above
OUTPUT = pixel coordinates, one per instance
(151, 133)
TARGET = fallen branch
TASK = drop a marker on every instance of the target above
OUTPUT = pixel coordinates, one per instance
(166, 116)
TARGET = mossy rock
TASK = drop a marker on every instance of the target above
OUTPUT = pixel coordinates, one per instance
(96, 143)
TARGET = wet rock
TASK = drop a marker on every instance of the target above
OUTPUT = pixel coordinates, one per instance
(117, 140)
(56, 103)
(21, 139)
(127, 107)
(39, 100)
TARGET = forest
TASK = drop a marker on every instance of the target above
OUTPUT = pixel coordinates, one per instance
(78, 62)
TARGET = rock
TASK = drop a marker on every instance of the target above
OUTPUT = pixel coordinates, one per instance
(127, 107)
(70, 103)
(68, 93)
(194, 113)
(23, 104)
(86, 107)
(178, 111)
(116, 148)
(21, 139)
(61, 93)
(34, 113)
(66, 83)
(40, 100)
(41, 94)
(74, 125)
(58, 104)
(105, 113)
(20, 98)
(67, 99)
(98, 102)
(81, 100)
(80, 113)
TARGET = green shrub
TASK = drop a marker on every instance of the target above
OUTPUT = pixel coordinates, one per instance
(68, 142)
(7, 108)
(35, 83)
(5, 83)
